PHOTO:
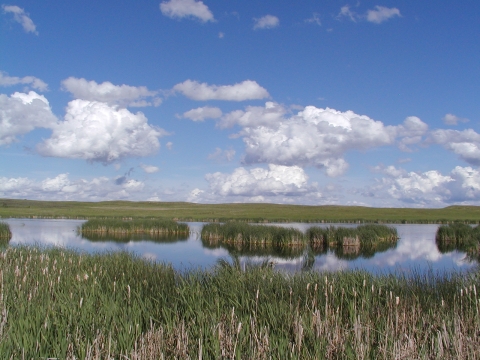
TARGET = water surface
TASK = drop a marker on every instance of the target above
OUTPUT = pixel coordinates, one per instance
(416, 250)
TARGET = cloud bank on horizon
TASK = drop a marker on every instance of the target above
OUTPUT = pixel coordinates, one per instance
(350, 111)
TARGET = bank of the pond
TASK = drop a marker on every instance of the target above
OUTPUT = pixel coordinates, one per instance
(61, 304)
(134, 226)
(183, 211)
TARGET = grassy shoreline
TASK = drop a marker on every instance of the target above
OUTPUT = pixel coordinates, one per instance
(59, 303)
(245, 212)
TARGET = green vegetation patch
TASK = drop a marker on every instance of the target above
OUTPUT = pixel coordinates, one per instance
(135, 226)
(5, 233)
(364, 237)
(458, 236)
(56, 303)
(233, 232)
(244, 212)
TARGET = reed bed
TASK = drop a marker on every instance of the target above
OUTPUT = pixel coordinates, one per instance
(128, 237)
(457, 236)
(366, 238)
(135, 226)
(56, 303)
(5, 233)
(234, 232)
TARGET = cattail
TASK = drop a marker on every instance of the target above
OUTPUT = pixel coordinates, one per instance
(81, 302)
(128, 287)
(397, 300)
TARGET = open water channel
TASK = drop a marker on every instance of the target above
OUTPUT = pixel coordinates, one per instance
(416, 250)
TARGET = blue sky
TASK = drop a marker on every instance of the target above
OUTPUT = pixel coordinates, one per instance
(309, 102)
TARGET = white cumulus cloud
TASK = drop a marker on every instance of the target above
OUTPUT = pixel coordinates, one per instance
(430, 188)
(266, 22)
(20, 113)
(466, 143)
(202, 113)
(61, 187)
(186, 8)
(246, 90)
(21, 17)
(32, 81)
(277, 180)
(381, 14)
(95, 131)
(314, 137)
(122, 95)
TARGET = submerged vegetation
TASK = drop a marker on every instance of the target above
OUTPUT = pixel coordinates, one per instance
(136, 226)
(56, 303)
(458, 236)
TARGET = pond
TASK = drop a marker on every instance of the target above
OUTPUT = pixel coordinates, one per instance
(415, 251)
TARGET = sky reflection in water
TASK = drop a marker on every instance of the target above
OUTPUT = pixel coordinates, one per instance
(416, 250)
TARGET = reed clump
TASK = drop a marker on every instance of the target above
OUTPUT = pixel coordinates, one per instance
(133, 226)
(458, 236)
(56, 303)
(234, 232)
(5, 233)
(365, 238)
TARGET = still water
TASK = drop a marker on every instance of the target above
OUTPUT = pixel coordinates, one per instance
(415, 251)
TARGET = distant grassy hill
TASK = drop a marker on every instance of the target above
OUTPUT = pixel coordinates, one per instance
(247, 212)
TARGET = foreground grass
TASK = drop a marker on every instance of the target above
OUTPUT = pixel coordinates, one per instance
(136, 226)
(244, 212)
(62, 304)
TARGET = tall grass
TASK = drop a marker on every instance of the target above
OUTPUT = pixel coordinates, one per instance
(128, 237)
(366, 239)
(458, 236)
(56, 303)
(5, 233)
(233, 232)
(135, 226)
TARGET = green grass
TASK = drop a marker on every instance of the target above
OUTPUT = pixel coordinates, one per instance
(234, 232)
(244, 212)
(366, 239)
(5, 234)
(135, 226)
(56, 303)
(458, 236)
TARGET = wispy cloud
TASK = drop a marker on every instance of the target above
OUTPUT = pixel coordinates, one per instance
(382, 14)
(246, 90)
(20, 16)
(186, 9)
(266, 22)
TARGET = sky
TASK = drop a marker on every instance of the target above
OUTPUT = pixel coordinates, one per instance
(371, 103)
